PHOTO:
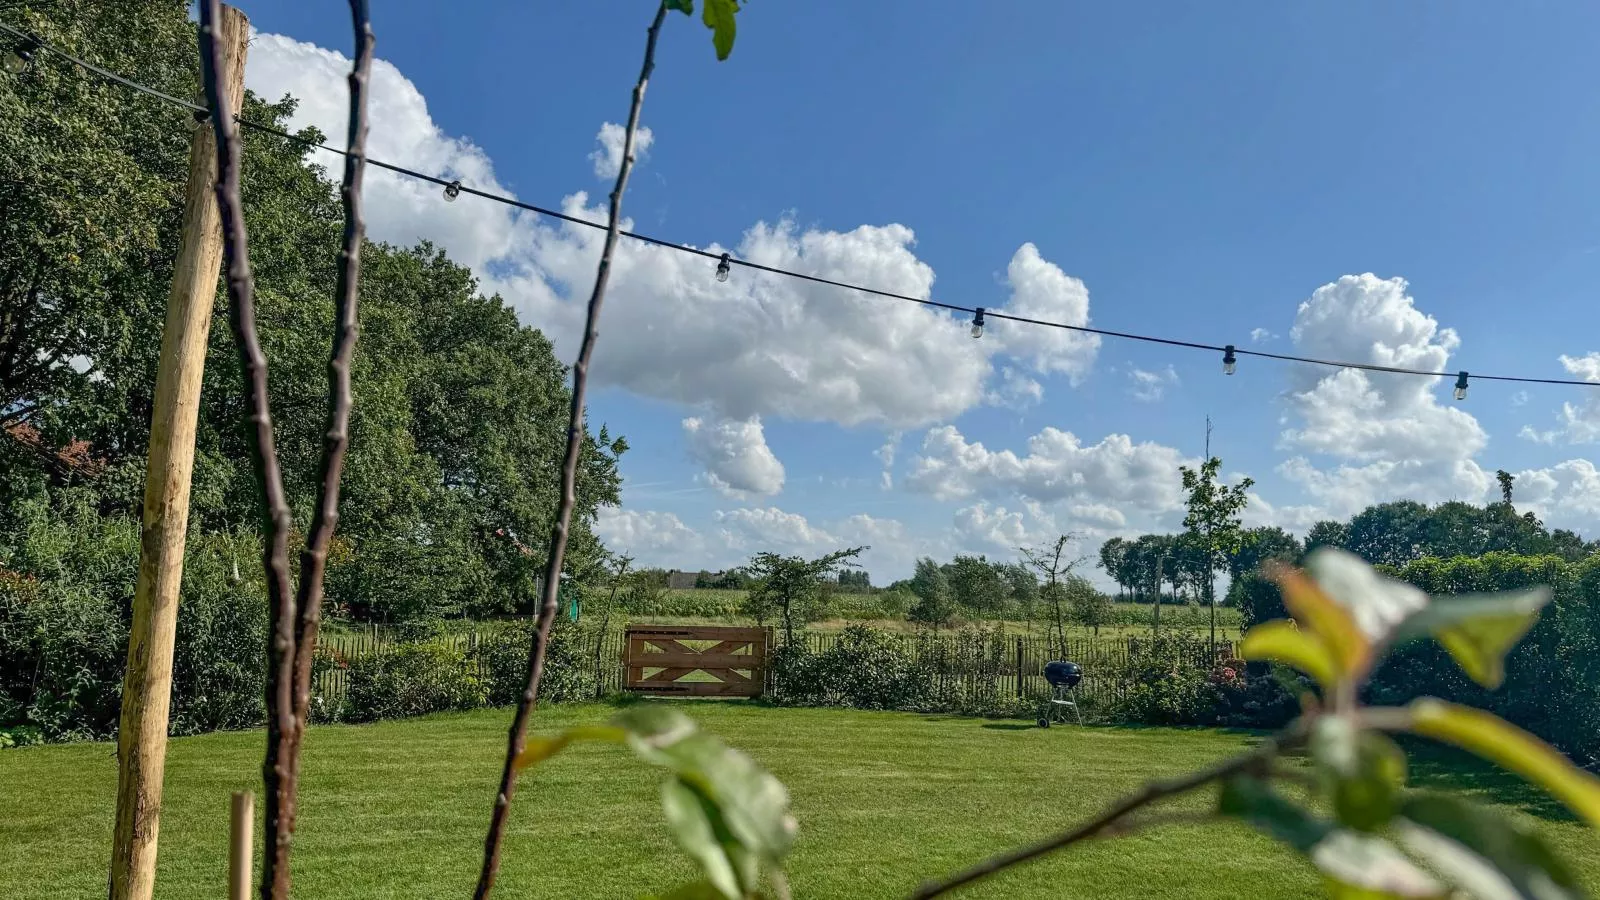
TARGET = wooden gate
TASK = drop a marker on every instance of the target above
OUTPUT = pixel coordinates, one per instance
(717, 660)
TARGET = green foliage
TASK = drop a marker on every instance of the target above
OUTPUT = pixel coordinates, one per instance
(1260, 546)
(1160, 688)
(1215, 530)
(410, 680)
(718, 15)
(502, 661)
(864, 669)
(1089, 607)
(1551, 680)
(1257, 598)
(935, 604)
(726, 812)
(791, 587)
(460, 412)
(1404, 531)
(978, 586)
(66, 587)
(1380, 842)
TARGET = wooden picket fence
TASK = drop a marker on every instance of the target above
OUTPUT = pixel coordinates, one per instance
(962, 663)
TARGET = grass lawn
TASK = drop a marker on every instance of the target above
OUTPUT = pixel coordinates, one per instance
(398, 809)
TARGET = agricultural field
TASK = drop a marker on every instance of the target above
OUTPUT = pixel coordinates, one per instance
(397, 809)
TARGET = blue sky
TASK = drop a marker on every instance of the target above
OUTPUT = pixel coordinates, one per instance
(1193, 171)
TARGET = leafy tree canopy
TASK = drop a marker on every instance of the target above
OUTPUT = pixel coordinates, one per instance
(460, 411)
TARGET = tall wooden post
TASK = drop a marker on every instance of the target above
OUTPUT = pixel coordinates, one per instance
(147, 684)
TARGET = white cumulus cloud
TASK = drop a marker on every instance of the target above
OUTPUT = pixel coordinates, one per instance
(1057, 467)
(1389, 434)
(1578, 423)
(607, 157)
(1148, 387)
(735, 454)
(758, 345)
(1040, 290)
(987, 530)
(653, 538)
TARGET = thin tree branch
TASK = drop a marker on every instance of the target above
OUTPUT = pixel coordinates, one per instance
(569, 476)
(1114, 815)
(314, 558)
(269, 480)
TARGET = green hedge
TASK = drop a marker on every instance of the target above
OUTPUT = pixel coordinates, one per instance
(1552, 685)
(66, 595)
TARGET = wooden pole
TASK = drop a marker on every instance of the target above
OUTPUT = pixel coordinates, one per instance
(240, 842)
(147, 684)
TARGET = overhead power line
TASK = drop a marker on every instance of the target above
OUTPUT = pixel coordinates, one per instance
(454, 188)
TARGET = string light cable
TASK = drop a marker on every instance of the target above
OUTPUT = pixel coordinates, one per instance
(28, 45)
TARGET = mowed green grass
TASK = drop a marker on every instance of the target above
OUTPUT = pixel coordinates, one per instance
(398, 809)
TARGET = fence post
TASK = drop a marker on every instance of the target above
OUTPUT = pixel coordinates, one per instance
(1019, 668)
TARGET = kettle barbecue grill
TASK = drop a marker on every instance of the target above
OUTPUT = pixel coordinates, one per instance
(1064, 678)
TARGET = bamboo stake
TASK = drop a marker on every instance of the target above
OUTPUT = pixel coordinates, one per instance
(147, 682)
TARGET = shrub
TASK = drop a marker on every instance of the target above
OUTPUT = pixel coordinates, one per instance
(1257, 599)
(502, 658)
(1552, 683)
(1162, 686)
(864, 669)
(410, 680)
(1256, 695)
(66, 597)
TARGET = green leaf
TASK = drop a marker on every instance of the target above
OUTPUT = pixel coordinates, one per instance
(1482, 853)
(684, 6)
(538, 749)
(697, 826)
(1355, 864)
(726, 812)
(718, 15)
(1364, 865)
(1251, 799)
(1377, 603)
(1315, 610)
(1365, 772)
(1499, 741)
(1282, 642)
(1478, 630)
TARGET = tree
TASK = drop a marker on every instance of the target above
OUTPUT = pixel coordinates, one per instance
(935, 606)
(1391, 533)
(1260, 545)
(1114, 559)
(1022, 588)
(1327, 534)
(1089, 606)
(459, 410)
(791, 587)
(977, 586)
(1052, 564)
(1215, 529)
(1506, 480)
(855, 581)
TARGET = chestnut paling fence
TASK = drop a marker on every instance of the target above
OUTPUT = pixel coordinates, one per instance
(1000, 668)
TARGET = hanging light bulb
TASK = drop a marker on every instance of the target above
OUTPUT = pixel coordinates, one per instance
(452, 191)
(1461, 386)
(977, 323)
(20, 59)
(723, 268)
(1230, 363)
